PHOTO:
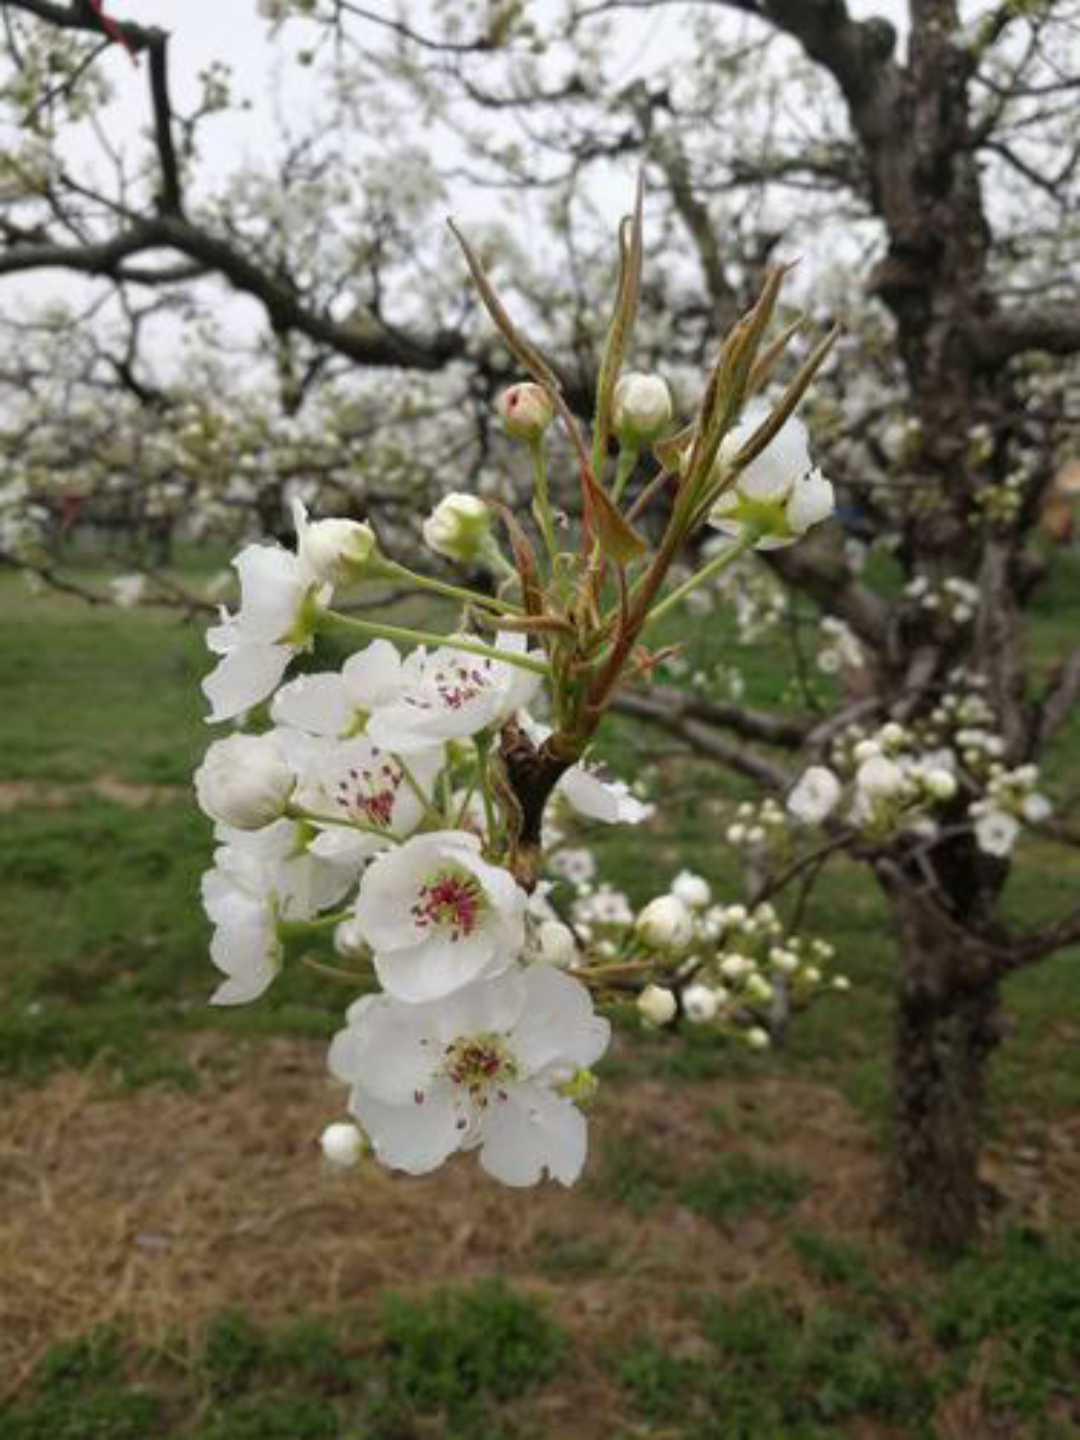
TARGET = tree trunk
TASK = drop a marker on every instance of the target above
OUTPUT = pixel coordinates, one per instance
(942, 1045)
(948, 1022)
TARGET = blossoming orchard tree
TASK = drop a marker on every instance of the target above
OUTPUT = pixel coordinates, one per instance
(934, 203)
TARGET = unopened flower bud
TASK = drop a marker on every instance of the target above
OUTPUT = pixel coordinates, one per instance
(656, 1004)
(335, 552)
(641, 409)
(459, 527)
(734, 967)
(700, 1003)
(940, 783)
(757, 1038)
(338, 552)
(244, 781)
(665, 924)
(758, 988)
(841, 983)
(526, 411)
(342, 1144)
(555, 943)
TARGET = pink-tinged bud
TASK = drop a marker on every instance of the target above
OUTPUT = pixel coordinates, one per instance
(526, 410)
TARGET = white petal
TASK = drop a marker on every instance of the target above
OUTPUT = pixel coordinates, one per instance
(812, 501)
(529, 1132)
(439, 965)
(414, 1138)
(558, 1023)
(243, 678)
(373, 676)
(319, 704)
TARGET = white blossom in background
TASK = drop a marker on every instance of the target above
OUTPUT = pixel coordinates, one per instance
(494, 1066)
(127, 591)
(815, 796)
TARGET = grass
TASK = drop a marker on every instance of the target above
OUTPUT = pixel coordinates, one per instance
(104, 964)
(466, 1361)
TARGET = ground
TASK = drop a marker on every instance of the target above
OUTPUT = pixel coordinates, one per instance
(177, 1259)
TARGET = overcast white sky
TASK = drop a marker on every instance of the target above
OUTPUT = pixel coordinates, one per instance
(266, 74)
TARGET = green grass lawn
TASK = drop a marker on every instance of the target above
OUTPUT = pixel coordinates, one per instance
(104, 962)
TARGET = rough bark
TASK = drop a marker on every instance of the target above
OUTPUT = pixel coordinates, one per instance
(948, 1023)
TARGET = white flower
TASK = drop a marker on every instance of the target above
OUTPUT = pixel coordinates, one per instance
(451, 694)
(576, 865)
(526, 410)
(879, 777)
(245, 944)
(996, 832)
(700, 1003)
(342, 1144)
(691, 889)
(365, 787)
(278, 606)
(657, 1004)
(336, 552)
(459, 528)
(1035, 809)
(258, 877)
(814, 797)
(244, 781)
(641, 408)
(665, 924)
(488, 1066)
(438, 917)
(778, 491)
(335, 703)
(607, 800)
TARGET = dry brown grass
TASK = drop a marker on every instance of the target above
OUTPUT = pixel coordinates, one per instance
(157, 1210)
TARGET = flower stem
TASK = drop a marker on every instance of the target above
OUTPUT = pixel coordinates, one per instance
(452, 592)
(745, 542)
(330, 620)
(623, 470)
(541, 501)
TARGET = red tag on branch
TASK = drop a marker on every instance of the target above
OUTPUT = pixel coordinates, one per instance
(111, 28)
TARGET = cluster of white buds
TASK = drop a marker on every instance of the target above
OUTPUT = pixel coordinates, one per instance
(759, 830)
(1012, 800)
(901, 776)
(841, 649)
(999, 504)
(953, 599)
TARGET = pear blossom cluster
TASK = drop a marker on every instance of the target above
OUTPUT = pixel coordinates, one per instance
(945, 768)
(354, 812)
(840, 648)
(396, 810)
(953, 599)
